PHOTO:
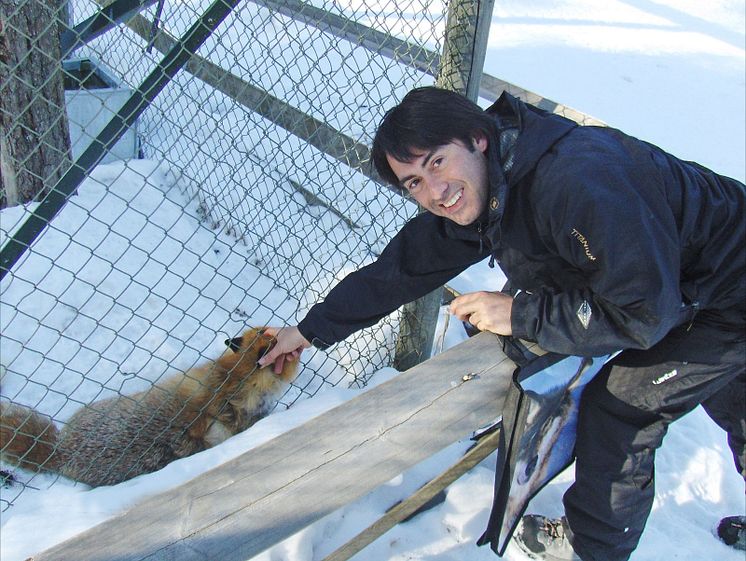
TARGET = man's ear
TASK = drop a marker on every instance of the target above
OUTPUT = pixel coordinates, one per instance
(481, 142)
(234, 344)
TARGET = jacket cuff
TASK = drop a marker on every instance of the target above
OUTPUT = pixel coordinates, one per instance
(523, 316)
(311, 338)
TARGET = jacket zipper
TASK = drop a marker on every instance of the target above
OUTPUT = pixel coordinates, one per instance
(491, 263)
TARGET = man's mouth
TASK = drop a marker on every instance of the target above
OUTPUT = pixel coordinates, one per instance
(453, 200)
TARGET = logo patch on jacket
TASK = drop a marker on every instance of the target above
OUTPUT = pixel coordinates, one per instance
(666, 376)
(583, 242)
(584, 314)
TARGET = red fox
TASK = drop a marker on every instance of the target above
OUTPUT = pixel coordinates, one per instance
(115, 439)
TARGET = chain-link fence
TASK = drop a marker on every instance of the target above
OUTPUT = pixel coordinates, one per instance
(191, 169)
(233, 194)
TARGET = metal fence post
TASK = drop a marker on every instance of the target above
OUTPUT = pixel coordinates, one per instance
(460, 70)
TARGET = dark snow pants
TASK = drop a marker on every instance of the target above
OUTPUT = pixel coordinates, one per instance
(624, 415)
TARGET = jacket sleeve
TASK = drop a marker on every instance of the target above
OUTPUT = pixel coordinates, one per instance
(608, 219)
(419, 259)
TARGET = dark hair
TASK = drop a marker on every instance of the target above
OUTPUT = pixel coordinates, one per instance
(425, 119)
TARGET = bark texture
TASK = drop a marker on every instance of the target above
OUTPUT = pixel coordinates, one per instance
(34, 135)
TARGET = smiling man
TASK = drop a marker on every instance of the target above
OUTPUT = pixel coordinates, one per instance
(609, 243)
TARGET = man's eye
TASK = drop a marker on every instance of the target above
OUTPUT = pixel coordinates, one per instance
(437, 162)
(413, 185)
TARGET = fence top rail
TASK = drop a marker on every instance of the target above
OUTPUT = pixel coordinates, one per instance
(253, 502)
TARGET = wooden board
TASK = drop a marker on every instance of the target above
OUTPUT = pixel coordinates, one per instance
(245, 506)
(408, 507)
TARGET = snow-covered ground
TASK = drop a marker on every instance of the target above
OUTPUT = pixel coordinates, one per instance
(671, 72)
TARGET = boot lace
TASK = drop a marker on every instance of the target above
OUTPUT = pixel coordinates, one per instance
(554, 528)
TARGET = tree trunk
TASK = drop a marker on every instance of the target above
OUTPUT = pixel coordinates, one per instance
(34, 139)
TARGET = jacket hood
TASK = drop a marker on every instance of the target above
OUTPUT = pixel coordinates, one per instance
(539, 130)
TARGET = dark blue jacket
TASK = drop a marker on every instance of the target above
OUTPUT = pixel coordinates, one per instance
(612, 242)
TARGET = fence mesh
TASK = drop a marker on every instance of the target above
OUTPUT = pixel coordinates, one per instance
(237, 198)
(229, 203)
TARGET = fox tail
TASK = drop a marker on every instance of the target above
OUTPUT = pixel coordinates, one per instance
(28, 439)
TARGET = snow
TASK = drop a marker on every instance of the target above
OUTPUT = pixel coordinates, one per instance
(669, 71)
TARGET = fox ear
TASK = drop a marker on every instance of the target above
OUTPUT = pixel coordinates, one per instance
(234, 344)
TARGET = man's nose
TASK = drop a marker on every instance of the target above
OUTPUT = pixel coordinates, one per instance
(438, 188)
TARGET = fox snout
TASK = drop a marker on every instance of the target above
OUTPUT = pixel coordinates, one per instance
(254, 339)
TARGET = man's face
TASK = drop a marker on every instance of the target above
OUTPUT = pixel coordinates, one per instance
(450, 180)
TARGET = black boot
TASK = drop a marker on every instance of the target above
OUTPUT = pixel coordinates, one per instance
(545, 539)
(732, 530)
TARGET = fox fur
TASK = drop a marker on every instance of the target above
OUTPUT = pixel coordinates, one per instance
(118, 438)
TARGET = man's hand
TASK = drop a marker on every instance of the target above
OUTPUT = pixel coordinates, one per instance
(290, 344)
(487, 311)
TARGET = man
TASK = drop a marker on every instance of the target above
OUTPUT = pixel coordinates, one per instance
(609, 243)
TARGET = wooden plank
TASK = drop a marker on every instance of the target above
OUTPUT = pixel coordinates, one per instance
(486, 445)
(491, 88)
(234, 512)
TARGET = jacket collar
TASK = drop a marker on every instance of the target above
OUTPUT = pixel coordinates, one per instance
(539, 131)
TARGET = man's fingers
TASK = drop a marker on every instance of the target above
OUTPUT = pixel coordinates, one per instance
(289, 344)
(462, 306)
(487, 311)
(269, 356)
